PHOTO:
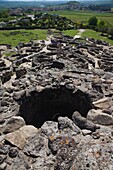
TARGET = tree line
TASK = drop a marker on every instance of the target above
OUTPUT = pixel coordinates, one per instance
(100, 26)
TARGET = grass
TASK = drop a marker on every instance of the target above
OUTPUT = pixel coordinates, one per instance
(71, 32)
(83, 16)
(89, 33)
(13, 37)
(7, 54)
(6, 37)
(96, 35)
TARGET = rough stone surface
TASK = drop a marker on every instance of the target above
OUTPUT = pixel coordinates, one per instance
(98, 117)
(64, 87)
(13, 124)
(28, 131)
(16, 138)
(83, 123)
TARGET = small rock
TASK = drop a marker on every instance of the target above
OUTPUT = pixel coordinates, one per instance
(18, 95)
(4, 149)
(103, 103)
(2, 158)
(96, 135)
(65, 122)
(1, 137)
(86, 132)
(13, 152)
(3, 166)
(49, 128)
(16, 138)
(20, 72)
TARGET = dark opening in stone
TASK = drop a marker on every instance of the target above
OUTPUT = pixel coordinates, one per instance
(51, 103)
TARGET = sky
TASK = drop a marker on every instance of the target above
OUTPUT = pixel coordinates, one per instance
(38, 0)
(52, 0)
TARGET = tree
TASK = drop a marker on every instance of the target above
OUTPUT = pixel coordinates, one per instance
(102, 27)
(93, 21)
(110, 32)
(4, 14)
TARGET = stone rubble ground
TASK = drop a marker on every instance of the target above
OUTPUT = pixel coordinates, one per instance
(72, 76)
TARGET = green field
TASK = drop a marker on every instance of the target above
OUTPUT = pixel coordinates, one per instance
(96, 35)
(15, 36)
(83, 16)
(71, 32)
(89, 33)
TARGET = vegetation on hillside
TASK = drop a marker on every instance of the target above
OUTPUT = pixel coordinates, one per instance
(96, 35)
(14, 37)
(41, 21)
(63, 20)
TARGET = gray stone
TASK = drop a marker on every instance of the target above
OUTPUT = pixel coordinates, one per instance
(103, 103)
(20, 72)
(65, 122)
(28, 131)
(37, 146)
(83, 123)
(13, 124)
(86, 132)
(98, 117)
(94, 156)
(3, 166)
(50, 128)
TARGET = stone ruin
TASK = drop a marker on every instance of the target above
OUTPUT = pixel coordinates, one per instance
(56, 106)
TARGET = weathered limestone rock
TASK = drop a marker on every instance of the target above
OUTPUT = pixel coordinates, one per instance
(98, 117)
(86, 132)
(103, 103)
(28, 131)
(3, 166)
(13, 124)
(16, 138)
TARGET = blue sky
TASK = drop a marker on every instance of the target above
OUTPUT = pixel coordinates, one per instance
(39, 0)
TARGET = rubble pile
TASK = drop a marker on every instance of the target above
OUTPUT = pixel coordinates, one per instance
(56, 106)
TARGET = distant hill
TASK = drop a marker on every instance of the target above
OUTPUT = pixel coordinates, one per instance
(97, 2)
(45, 3)
(71, 5)
(15, 4)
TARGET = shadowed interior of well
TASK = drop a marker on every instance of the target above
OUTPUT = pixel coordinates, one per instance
(51, 103)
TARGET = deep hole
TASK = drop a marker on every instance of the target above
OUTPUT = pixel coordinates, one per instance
(50, 103)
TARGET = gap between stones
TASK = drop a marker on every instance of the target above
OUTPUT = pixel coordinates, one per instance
(51, 103)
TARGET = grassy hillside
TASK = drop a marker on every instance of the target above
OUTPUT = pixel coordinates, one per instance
(96, 35)
(16, 36)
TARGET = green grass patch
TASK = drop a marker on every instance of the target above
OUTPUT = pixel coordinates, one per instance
(96, 35)
(71, 32)
(7, 54)
(13, 37)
